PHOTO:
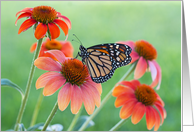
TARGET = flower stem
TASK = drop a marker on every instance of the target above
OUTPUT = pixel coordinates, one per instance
(49, 119)
(28, 86)
(118, 125)
(37, 108)
(106, 98)
(74, 121)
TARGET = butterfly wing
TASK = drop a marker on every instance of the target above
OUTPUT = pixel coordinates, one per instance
(104, 59)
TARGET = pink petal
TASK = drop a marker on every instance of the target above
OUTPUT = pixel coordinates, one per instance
(76, 99)
(88, 100)
(53, 85)
(152, 69)
(93, 84)
(150, 117)
(64, 96)
(94, 93)
(138, 112)
(140, 68)
(157, 120)
(127, 109)
(135, 56)
(44, 78)
(46, 63)
(158, 77)
(58, 55)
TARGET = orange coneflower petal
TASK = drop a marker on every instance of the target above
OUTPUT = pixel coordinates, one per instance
(94, 92)
(53, 85)
(68, 22)
(46, 63)
(54, 30)
(76, 99)
(161, 110)
(64, 96)
(33, 47)
(40, 31)
(26, 14)
(135, 56)
(118, 90)
(127, 109)
(124, 98)
(26, 24)
(150, 117)
(58, 55)
(44, 78)
(27, 9)
(62, 25)
(88, 101)
(157, 120)
(138, 112)
(140, 68)
(132, 84)
(67, 49)
(159, 100)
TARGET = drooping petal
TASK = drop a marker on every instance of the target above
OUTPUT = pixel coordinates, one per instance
(46, 63)
(33, 47)
(44, 78)
(62, 25)
(150, 117)
(140, 68)
(66, 20)
(135, 56)
(161, 111)
(132, 84)
(118, 90)
(152, 69)
(90, 83)
(138, 112)
(58, 55)
(88, 101)
(54, 30)
(64, 96)
(26, 14)
(159, 100)
(124, 98)
(95, 94)
(40, 31)
(76, 99)
(26, 24)
(157, 120)
(53, 85)
(127, 109)
(27, 9)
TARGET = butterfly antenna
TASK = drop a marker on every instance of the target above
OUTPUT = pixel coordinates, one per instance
(77, 39)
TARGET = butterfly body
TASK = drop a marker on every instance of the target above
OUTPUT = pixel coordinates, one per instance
(103, 59)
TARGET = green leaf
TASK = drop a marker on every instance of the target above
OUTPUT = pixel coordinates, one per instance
(81, 121)
(36, 126)
(7, 82)
(21, 127)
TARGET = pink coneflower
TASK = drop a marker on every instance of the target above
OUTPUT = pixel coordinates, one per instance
(138, 99)
(73, 77)
(145, 54)
(64, 46)
(44, 18)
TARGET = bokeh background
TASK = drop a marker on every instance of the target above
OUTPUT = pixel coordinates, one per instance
(95, 22)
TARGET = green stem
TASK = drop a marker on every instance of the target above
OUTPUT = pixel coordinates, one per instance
(118, 125)
(106, 98)
(49, 119)
(28, 86)
(37, 108)
(74, 121)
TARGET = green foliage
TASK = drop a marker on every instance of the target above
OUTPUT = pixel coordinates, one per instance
(95, 22)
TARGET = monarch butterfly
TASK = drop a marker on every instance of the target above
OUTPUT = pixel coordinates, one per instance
(103, 59)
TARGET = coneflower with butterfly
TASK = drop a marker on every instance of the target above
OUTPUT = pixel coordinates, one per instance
(103, 59)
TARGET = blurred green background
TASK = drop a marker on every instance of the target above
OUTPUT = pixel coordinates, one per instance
(95, 22)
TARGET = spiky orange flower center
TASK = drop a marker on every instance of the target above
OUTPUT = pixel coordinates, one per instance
(145, 94)
(146, 50)
(74, 71)
(44, 14)
(53, 44)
